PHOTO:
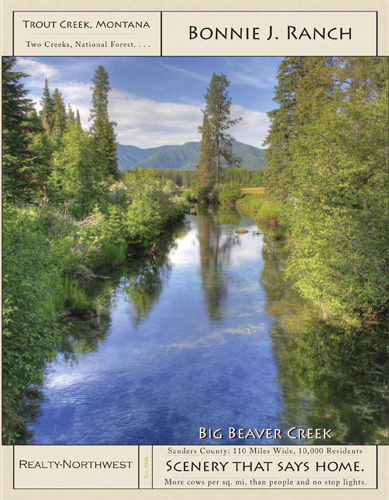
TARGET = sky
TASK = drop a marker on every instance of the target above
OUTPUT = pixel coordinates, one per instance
(157, 101)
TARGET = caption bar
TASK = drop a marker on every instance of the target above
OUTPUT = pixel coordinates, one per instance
(188, 467)
(194, 33)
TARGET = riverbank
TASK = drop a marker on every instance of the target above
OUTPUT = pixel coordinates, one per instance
(213, 310)
(273, 218)
(48, 256)
(270, 215)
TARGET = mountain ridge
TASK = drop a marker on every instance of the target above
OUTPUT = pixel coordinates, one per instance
(182, 157)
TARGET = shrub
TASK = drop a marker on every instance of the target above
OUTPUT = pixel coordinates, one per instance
(144, 221)
(213, 196)
(31, 303)
(207, 194)
(189, 196)
(230, 193)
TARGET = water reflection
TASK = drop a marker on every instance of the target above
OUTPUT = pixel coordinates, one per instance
(215, 252)
(196, 338)
(331, 376)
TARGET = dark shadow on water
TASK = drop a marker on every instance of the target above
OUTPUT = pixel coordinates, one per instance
(331, 376)
(215, 253)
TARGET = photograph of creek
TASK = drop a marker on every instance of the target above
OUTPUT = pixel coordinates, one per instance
(161, 276)
(209, 336)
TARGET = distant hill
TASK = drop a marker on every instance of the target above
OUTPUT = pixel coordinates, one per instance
(129, 156)
(184, 157)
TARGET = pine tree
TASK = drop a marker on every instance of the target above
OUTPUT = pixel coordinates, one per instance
(216, 144)
(47, 111)
(78, 119)
(18, 123)
(77, 168)
(59, 115)
(102, 127)
(207, 164)
(282, 128)
(305, 86)
(70, 118)
(327, 162)
(41, 148)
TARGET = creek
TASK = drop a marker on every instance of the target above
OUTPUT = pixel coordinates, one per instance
(210, 335)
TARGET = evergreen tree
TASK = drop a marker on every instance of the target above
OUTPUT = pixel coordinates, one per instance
(207, 164)
(42, 148)
(102, 127)
(340, 204)
(59, 115)
(327, 162)
(47, 111)
(282, 128)
(78, 119)
(70, 118)
(18, 123)
(77, 169)
(216, 144)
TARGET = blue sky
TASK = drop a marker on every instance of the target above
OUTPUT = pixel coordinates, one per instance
(157, 101)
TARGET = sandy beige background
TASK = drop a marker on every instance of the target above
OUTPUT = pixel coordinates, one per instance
(85, 28)
(169, 494)
(382, 6)
(195, 5)
(362, 25)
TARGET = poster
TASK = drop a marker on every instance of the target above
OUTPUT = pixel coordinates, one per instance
(195, 370)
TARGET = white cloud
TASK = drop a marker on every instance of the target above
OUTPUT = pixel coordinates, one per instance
(186, 72)
(36, 70)
(252, 72)
(253, 128)
(147, 123)
(143, 122)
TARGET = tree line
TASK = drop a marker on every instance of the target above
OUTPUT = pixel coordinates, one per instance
(49, 156)
(327, 164)
(189, 179)
(66, 212)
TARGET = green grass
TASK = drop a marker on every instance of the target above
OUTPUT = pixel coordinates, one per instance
(253, 190)
(270, 215)
(113, 253)
(75, 297)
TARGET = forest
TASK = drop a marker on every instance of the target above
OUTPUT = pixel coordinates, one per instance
(326, 180)
(188, 178)
(327, 169)
(69, 213)
(66, 213)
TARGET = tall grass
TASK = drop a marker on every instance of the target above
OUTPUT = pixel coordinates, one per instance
(269, 214)
(75, 296)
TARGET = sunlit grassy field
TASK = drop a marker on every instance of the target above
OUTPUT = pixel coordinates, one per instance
(253, 190)
(244, 190)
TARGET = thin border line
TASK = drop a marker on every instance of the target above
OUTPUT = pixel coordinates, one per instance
(203, 444)
(161, 34)
(207, 444)
(376, 467)
(376, 31)
(200, 11)
(13, 33)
